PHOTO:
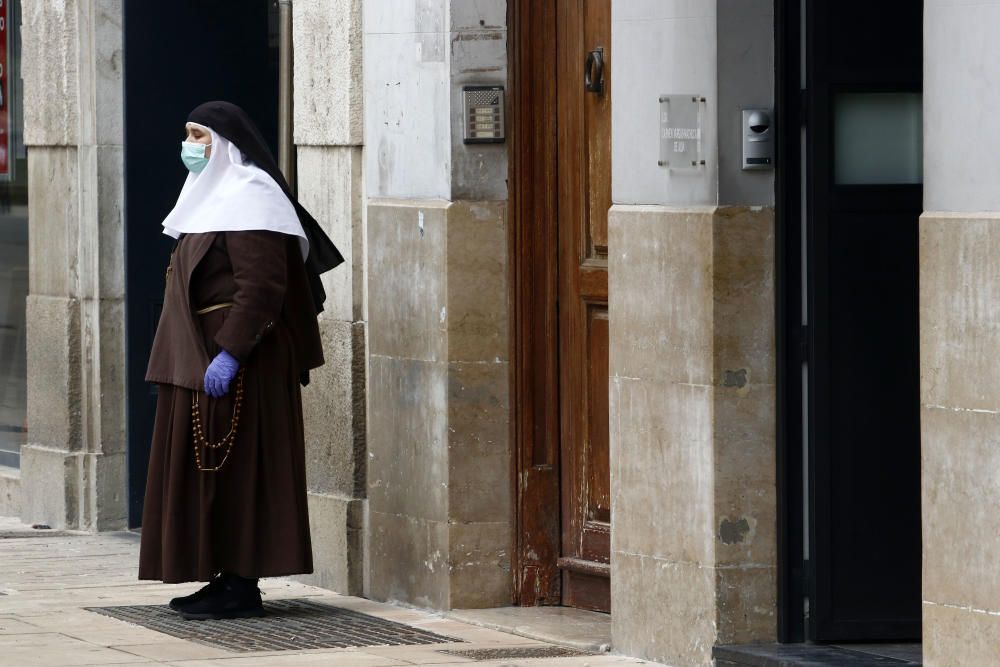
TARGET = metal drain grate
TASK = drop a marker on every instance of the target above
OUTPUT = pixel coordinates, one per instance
(516, 652)
(289, 625)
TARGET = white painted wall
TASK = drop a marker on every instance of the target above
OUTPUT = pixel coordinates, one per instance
(407, 98)
(660, 46)
(745, 31)
(961, 105)
(722, 49)
(418, 54)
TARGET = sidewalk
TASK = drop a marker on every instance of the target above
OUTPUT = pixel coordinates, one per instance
(49, 578)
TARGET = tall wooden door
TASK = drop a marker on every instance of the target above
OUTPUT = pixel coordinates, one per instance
(561, 193)
(584, 199)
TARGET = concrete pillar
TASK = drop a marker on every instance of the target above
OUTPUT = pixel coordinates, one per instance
(438, 442)
(959, 336)
(329, 138)
(691, 283)
(73, 472)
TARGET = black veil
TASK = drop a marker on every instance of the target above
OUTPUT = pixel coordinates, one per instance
(234, 124)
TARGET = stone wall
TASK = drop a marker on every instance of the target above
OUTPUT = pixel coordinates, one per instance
(694, 551)
(960, 432)
(439, 467)
(329, 107)
(438, 443)
(73, 466)
(959, 311)
(692, 339)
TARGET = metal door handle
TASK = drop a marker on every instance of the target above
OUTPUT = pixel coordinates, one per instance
(593, 72)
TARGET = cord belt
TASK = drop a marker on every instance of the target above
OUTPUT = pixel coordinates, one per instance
(212, 309)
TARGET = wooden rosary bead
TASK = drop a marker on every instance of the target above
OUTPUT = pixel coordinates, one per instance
(198, 433)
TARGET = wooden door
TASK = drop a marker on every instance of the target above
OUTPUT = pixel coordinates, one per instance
(560, 196)
(584, 159)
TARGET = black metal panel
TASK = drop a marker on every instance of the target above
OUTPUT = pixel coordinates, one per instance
(812, 655)
(289, 625)
(863, 577)
(177, 55)
(864, 453)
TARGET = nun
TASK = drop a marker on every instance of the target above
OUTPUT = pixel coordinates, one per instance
(226, 488)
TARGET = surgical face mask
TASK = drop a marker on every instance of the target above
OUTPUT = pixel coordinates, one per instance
(193, 156)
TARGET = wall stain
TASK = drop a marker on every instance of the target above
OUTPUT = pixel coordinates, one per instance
(734, 532)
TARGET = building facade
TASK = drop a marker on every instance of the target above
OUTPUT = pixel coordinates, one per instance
(692, 325)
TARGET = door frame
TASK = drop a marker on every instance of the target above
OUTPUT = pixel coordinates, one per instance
(791, 342)
(533, 259)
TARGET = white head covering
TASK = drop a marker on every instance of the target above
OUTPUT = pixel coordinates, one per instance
(232, 194)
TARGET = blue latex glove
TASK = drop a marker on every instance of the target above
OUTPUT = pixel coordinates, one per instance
(220, 373)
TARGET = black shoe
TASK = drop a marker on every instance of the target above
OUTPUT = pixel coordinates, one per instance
(236, 598)
(202, 593)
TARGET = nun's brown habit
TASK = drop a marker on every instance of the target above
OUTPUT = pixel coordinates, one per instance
(249, 517)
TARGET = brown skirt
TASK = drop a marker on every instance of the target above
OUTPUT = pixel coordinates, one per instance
(249, 518)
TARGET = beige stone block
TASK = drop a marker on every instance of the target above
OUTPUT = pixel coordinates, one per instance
(745, 434)
(959, 310)
(673, 620)
(408, 559)
(960, 455)
(746, 524)
(55, 221)
(105, 233)
(108, 28)
(408, 438)
(660, 285)
(69, 652)
(662, 470)
(478, 288)
(330, 186)
(103, 322)
(328, 72)
(568, 626)
(407, 279)
(173, 649)
(54, 391)
(745, 477)
(743, 268)
(479, 442)
(10, 492)
(479, 557)
(336, 528)
(334, 412)
(50, 480)
(957, 637)
(109, 475)
(747, 599)
(50, 70)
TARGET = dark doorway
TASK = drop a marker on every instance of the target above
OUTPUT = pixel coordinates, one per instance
(850, 196)
(177, 55)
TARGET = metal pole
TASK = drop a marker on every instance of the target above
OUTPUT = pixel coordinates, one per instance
(286, 147)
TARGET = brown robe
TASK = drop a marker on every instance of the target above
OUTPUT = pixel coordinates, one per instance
(250, 517)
